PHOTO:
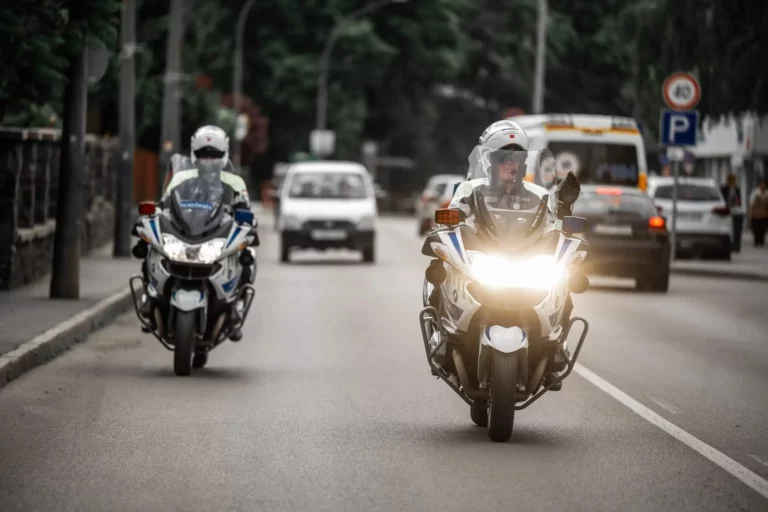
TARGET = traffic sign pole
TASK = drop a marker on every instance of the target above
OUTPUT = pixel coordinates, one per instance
(673, 234)
(681, 92)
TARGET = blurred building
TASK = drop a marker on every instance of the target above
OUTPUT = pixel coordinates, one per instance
(734, 145)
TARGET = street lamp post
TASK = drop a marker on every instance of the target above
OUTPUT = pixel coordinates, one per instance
(238, 69)
(322, 78)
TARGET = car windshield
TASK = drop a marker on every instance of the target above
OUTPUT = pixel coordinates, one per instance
(439, 188)
(688, 192)
(330, 185)
(592, 162)
(597, 202)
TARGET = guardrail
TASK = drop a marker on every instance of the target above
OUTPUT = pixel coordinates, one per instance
(29, 179)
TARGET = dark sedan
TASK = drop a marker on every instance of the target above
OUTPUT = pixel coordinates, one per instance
(626, 235)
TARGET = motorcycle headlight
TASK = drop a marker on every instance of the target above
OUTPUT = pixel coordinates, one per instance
(538, 272)
(182, 252)
(365, 222)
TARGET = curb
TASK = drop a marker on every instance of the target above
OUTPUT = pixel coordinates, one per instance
(54, 341)
(702, 272)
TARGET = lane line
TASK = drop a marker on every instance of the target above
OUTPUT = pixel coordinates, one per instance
(665, 405)
(760, 460)
(748, 477)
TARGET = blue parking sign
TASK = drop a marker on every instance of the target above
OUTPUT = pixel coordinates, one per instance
(678, 128)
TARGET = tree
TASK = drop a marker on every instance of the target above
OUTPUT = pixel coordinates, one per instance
(31, 32)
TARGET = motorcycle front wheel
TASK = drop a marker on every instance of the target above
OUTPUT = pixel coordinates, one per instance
(503, 394)
(184, 342)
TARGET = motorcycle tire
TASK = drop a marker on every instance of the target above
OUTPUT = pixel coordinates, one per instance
(184, 342)
(501, 417)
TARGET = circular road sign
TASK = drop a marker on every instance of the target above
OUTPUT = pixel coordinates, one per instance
(681, 91)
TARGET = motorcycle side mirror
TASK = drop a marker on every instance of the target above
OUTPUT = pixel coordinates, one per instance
(572, 225)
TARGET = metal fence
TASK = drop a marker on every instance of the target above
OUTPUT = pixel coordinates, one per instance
(29, 182)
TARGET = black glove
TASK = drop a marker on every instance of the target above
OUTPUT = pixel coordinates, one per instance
(570, 189)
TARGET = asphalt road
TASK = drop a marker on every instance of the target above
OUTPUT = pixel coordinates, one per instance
(328, 404)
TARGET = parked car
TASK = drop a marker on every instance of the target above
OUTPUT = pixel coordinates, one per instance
(437, 194)
(327, 204)
(703, 217)
(626, 235)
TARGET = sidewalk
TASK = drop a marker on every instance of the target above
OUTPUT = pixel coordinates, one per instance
(34, 328)
(751, 263)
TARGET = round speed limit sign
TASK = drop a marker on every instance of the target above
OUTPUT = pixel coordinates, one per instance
(681, 91)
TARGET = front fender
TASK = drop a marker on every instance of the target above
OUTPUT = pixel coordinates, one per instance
(505, 339)
(189, 300)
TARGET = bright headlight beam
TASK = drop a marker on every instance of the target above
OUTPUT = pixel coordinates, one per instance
(540, 272)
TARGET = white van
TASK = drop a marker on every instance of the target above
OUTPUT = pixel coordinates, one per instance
(327, 204)
(598, 149)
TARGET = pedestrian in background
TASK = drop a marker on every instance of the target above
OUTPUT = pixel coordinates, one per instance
(758, 212)
(732, 194)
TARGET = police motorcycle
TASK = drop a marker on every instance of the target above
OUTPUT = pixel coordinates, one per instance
(199, 266)
(495, 328)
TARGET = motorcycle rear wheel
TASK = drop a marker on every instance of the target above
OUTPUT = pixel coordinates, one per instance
(501, 417)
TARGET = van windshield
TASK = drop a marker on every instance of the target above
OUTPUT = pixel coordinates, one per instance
(328, 185)
(592, 162)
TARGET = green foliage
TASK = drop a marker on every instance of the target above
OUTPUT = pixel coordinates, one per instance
(388, 69)
(31, 34)
(42, 36)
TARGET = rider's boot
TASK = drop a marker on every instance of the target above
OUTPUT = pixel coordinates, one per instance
(238, 308)
(552, 376)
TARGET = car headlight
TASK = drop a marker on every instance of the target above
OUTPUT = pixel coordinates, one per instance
(291, 222)
(365, 222)
(205, 253)
(538, 272)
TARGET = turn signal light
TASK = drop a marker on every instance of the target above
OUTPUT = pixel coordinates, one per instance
(447, 216)
(657, 223)
(147, 208)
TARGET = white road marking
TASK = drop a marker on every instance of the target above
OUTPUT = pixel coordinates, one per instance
(760, 460)
(748, 477)
(665, 405)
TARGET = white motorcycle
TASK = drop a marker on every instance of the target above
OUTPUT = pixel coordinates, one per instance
(503, 278)
(199, 266)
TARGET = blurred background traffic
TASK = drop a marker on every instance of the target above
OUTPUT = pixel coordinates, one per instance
(403, 86)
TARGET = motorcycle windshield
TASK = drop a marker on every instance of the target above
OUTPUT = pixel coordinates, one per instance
(506, 205)
(197, 203)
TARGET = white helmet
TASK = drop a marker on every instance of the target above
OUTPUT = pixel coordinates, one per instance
(504, 133)
(210, 142)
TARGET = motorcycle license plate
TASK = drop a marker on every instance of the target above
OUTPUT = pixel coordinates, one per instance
(606, 229)
(329, 234)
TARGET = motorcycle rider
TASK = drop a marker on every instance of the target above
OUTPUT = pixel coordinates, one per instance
(209, 152)
(507, 188)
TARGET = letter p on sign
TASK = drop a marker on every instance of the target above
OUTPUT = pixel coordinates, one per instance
(678, 128)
